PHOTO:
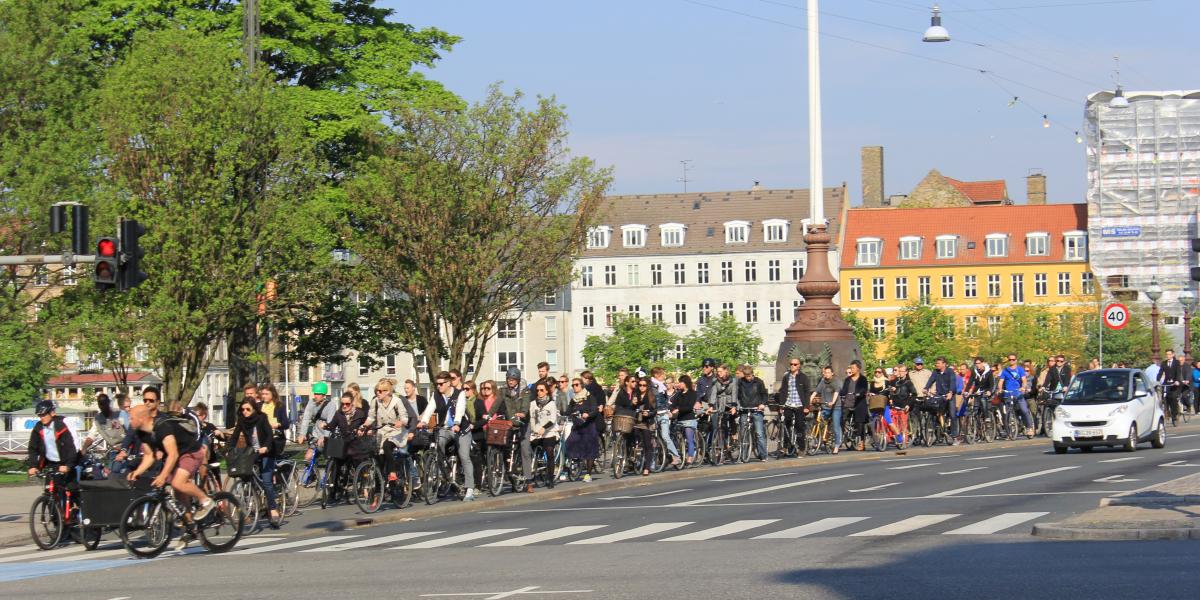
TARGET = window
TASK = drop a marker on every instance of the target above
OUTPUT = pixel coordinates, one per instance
(363, 367)
(702, 316)
(680, 351)
(795, 308)
(610, 274)
(655, 274)
(993, 286)
(751, 271)
(141, 353)
(598, 237)
(634, 310)
(68, 275)
(508, 360)
(702, 273)
(552, 360)
(634, 274)
(868, 252)
(775, 231)
(551, 328)
(1087, 282)
(726, 271)
(1037, 244)
(910, 248)
(727, 308)
(923, 289)
(610, 313)
(389, 364)
(775, 311)
(902, 288)
(752, 312)
(773, 270)
(994, 325)
(737, 232)
(1064, 284)
(585, 276)
(971, 325)
(681, 314)
(947, 246)
(970, 286)
(855, 290)
(1171, 321)
(950, 328)
(41, 276)
(680, 274)
(550, 299)
(656, 313)
(303, 373)
(1039, 284)
(997, 244)
(508, 329)
(633, 236)
(879, 327)
(1018, 288)
(1076, 245)
(672, 234)
(947, 286)
(877, 288)
(797, 269)
(589, 316)
(899, 325)
(70, 354)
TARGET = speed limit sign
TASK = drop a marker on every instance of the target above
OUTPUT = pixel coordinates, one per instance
(1116, 316)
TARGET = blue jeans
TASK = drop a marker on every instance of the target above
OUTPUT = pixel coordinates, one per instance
(267, 477)
(1018, 399)
(689, 432)
(664, 433)
(760, 431)
(835, 414)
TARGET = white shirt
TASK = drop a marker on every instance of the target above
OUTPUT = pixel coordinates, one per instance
(50, 444)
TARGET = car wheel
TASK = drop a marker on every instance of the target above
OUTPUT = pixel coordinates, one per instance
(1061, 448)
(1132, 441)
(1160, 435)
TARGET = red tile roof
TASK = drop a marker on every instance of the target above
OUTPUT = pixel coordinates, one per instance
(92, 379)
(971, 224)
(995, 190)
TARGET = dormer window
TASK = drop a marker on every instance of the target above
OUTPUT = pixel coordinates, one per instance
(737, 232)
(1037, 244)
(868, 252)
(672, 234)
(598, 237)
(633, 236)
(996, 245)
(947, 246)
(910, 247)
(1076, 245)
(775, 231)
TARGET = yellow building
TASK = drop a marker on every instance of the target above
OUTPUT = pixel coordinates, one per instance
(975, 262)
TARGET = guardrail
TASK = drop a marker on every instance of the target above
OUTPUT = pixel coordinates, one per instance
(14, 442)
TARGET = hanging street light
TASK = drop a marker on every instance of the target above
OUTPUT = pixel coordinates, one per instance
(936, 33)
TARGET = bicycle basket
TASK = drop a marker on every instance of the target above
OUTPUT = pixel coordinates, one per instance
(497, 432)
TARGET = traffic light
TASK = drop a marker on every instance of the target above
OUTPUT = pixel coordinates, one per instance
(1196, 248)
(104, 272)
(79, 228)
(130, 274)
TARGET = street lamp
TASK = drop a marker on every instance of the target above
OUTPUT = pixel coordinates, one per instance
(1188, 299)
(1154, 292)
(1119, 100)
(936, 33)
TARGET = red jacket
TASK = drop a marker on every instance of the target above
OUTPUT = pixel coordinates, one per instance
(62, 437)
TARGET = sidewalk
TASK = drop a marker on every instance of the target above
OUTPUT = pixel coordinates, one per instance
(1167, 511)
(15, 501)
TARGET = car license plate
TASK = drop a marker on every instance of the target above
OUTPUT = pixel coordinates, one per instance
(1081, 433)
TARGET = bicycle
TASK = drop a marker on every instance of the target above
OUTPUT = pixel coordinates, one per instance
(440, 472)
(371, 488)
(544, 465)
(53, 512)
(148, 524)
(819, 437)
(785, 424)
(720, 445)
(310, 479)
(342, 480)
(747, 434)
(252, 496)
(881, 433)
(679, 436)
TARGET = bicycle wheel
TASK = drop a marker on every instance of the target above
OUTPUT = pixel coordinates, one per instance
(658, 454)
(1048, 421)
(680, 439)
(878, 433)
(146, 527)
(815, 438)
(46, 522)
(221, 529)
(308, 482)
(493, 475)
(247, 496)
(745, 440)
(774, 429)
(618, 456)
(368, 487)
(290, 498)
(716, 447)
(928, 429)
(431, 476)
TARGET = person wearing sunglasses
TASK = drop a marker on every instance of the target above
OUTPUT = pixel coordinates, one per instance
(393, 420)
(253, 430)
(346, 423)
(794, 390)
(583, 441)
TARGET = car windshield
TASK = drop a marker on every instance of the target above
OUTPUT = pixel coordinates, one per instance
(1098, 387)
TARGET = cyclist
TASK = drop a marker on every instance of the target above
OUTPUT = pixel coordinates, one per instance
(920, 377)
(393, 419)
(826, 393)
(707, 376)
(981, 386)
(174, 437)
(106, 433)
(752, 399)
(1013, 381)
(661, 392)
(317, 412)
(941, 381)
(347, 422)
(794, 389)
(683, 410)
(543, 424)
(902, 394)
(643, 404)
(51, 445)
(722, 398)
(449, 405)
(854, 401)
(1172, 379)
(253, 430)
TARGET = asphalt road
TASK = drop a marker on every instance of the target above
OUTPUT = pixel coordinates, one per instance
(951, 521)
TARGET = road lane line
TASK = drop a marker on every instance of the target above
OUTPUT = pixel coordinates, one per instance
(1180, 437)
(782, 486)
(399, 537)
(120, 551)
(902, 467)
(996, 523)
(40, 554)
(906, 525)
(1114, 460)
(4, 551)
(991, 457)
(811, 528)
(878, 487)
(646, 496)
(295, 544)
(553, 534)
(888, 460)
(753, 478)
(454, 539)
(980, 486)
(636, 532)
(1184, 451)
(720, 530)
(962, 471)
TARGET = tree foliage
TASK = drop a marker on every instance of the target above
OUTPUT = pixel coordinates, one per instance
(723, 338)
(864, 332)
(633, 344)
(1130, 344)
(1031, 331)
(925, 331)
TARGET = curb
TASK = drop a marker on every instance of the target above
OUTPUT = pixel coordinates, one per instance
(1150, 501)
(1058, 531)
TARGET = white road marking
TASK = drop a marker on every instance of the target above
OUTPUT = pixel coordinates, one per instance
(753, 478)
(878, 487)
(992, 457)
(1184, 451)
(120, 551)
(1114, 479)
(16, 549)
(399, 537)
(1174, 463)
(454, 539)
(40, 554)
(980, 486)
(996, 523)
(1181, 437)
(636, 532)
(553, 534)
(720, 530)
(888, 460)
(906, 525)
(902, 467)
(517, 592)
(774, 488)
(295, 544)
(962, 471)
(1113, 460)
(646, 496)
(811, 528)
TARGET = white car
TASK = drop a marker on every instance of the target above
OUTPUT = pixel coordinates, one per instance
(1109, 407)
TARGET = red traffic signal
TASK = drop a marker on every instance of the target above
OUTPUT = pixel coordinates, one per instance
(104, 273)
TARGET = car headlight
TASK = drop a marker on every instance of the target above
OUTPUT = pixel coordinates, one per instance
(1120, 410)
(1061, 414)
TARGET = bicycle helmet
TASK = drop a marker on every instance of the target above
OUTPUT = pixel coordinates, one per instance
(43, 407)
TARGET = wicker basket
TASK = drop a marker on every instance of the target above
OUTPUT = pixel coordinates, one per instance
(622, 424)
(876, 402)
(497, 432)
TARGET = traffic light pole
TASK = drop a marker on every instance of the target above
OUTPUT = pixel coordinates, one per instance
(48, 259)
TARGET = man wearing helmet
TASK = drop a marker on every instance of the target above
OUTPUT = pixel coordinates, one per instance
(51, 445)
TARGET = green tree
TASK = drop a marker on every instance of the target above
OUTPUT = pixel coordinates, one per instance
(1130, 344)
(104, 325)
(865, 334)
(633, 344)
(1032, 331)
(926, 331)
(723, 338)
(26, 363)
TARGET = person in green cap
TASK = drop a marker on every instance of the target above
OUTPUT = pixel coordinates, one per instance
(317, 412)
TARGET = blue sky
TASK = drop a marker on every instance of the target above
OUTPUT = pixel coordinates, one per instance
(648, 83)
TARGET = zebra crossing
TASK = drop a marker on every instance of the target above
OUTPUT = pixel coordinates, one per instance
(590, 534)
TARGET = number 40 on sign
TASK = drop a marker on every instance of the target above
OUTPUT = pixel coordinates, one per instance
(1116, 316)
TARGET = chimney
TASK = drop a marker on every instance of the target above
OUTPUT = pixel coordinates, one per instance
(1035, 188)
(872, 176)
(756, 187)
